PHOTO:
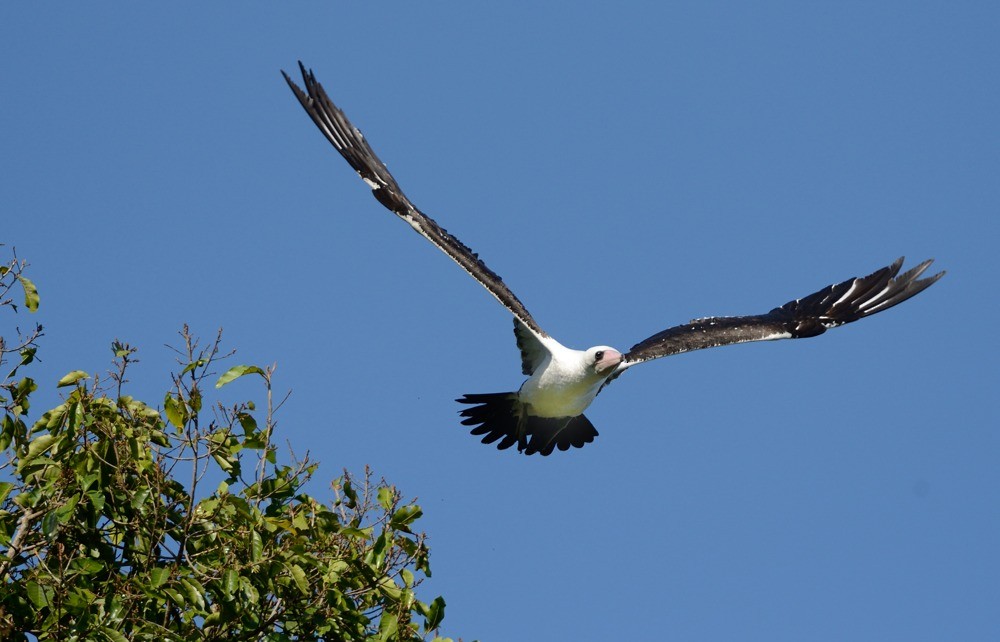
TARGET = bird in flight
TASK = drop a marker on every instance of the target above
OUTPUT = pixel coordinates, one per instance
(547, 411)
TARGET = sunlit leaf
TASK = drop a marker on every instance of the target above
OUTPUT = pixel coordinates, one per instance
(405, 516)
(236, 372)
(388, 626)
(30, 293)
(385, 497)
(5, 488)
(389, 587)
(191, 366)
(176, 596)
(37, 446)
(72, 378)
(158, 576)
(256, 546)
(174, 410)
(195, 591)
(121, 349)
(227, 464)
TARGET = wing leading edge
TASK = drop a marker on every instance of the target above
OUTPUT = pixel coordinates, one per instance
(351, 144)
(809, 316)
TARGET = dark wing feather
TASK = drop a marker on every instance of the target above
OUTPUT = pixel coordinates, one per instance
(358, 153)
(806, 317)
(533, 352)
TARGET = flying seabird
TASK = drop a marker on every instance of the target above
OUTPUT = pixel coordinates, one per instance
(547, 411)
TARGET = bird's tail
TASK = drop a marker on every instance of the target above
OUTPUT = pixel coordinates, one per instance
(496, 415)
(501, 416)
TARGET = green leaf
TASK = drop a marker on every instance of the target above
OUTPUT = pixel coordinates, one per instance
(86, 565)
(195, 591)
(175, 595)
(158, 576)
(37, 446)
(36, 594)
(405, 516)
(28, 355)
(139, 498)
(30, 293)
(121, 349)
(388, 626)
(352, 497)
(112, 634)
(227, 464)
(49, 524)
(435, 613)
(230, 582)
(256, 546)
(355, 533)
(191, 366)
(385, 497)
(5, 488)
(174, 410)
(248, 422)
(389, 588)
(236, 372)
(299, 576)
(80, 599)
(72, 378)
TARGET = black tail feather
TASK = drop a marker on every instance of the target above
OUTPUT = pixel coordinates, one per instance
(501, 417)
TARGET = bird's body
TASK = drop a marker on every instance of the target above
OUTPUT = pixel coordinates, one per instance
(567, 381)
(547, 411)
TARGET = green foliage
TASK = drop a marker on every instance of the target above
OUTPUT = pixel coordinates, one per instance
(118, 522)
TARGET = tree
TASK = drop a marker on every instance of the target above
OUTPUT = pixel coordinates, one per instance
(109, 533)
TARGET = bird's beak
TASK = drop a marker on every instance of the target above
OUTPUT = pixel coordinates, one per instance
(609, 362)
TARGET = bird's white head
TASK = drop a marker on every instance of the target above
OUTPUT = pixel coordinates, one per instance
(602, 360)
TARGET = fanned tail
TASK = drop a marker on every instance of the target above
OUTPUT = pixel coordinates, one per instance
(501, 417)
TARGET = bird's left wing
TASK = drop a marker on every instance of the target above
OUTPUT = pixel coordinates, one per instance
(809, 316)
(347, 140)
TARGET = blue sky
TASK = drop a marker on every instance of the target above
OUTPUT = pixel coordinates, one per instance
(625, 167)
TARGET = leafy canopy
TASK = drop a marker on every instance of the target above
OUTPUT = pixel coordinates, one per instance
(119, 522)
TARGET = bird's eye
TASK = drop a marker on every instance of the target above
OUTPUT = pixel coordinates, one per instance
(599, 355)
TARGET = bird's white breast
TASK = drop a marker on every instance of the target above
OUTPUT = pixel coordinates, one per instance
(563, 386)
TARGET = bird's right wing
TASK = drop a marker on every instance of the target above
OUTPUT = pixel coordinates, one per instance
(347, 140)
(809, 316)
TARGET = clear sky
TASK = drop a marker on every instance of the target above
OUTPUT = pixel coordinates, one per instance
(625, 167)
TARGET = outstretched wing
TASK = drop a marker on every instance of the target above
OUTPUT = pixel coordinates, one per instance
(806, 317)
(347, 140)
